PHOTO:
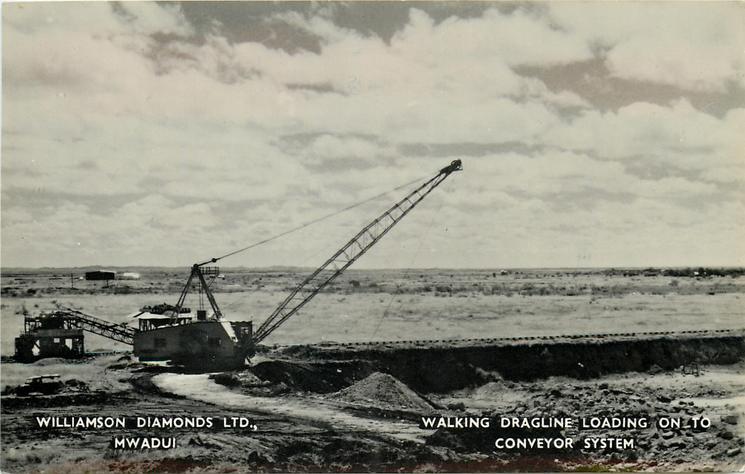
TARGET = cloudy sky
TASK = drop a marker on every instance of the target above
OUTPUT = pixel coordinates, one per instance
(592, 134)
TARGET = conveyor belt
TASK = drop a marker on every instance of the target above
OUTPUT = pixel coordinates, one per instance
(116, 332)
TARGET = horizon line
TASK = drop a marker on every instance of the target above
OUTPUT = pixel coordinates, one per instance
(269, 267)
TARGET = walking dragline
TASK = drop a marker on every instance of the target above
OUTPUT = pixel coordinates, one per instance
(213, 342)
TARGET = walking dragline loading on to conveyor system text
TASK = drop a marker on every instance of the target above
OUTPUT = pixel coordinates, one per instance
(210, 342)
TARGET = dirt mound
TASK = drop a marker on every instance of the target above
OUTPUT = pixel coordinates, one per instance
(50, 361)
(313, 376)
(248, 379)
(488, 389)
(383, 391)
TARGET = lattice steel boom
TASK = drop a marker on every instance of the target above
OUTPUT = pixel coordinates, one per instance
(349, 253)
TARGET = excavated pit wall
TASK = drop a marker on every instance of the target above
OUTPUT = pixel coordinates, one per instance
(441, 368)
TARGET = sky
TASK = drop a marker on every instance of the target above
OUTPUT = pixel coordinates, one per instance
(591, 134)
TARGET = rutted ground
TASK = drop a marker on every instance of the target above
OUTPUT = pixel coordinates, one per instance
(200, 387)
(373, 423)
(714, 392)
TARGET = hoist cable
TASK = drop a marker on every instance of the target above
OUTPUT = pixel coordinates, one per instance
(311, 222)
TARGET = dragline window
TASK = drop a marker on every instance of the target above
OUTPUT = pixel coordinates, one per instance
(214, 341)
(160, 342)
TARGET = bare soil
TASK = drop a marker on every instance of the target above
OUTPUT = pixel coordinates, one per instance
(359, 428)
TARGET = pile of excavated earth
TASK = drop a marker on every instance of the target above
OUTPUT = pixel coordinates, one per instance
(635, 397)
(383, 391)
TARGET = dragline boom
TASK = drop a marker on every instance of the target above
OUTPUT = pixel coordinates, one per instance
(349, 253)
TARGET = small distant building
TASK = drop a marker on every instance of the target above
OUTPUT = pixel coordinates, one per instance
(129, 276)
(100, 275)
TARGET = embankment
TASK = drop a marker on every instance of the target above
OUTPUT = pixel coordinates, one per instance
(442, 366)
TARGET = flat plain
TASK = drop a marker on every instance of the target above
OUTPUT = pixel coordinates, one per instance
(380, 305)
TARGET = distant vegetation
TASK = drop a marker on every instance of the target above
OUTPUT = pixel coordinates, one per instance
(601, 282)
(691, 272)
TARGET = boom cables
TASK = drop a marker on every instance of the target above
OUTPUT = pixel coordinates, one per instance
(311, 222)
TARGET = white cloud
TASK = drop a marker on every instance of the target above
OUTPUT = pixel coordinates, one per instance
(340, 147)
(692, 45)
(677, 135)
(98, 18)
(518, 38)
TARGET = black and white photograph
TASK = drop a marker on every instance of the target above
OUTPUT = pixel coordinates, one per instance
(372, 236)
